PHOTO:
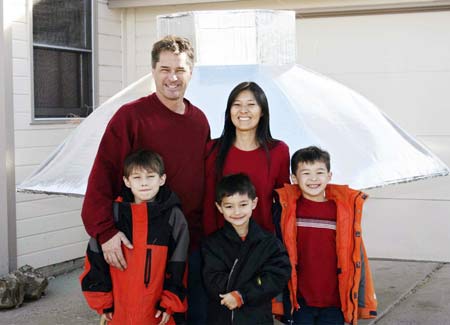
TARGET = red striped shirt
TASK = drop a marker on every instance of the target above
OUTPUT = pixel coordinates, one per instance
(317, 258)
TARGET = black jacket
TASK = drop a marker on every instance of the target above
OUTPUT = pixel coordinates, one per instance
(258, 268)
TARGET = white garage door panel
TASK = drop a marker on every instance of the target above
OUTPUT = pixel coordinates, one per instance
(414, 100)
(407, 229)
(376, 43)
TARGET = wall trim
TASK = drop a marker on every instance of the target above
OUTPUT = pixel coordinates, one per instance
(304, 8)
(421, 6)
(8, 245)
(156, 3)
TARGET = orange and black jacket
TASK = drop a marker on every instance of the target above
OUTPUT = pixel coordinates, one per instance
(155, 277)
(356, 290)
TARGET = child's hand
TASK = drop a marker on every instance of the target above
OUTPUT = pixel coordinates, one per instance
(108, 316)
(229, 301)
(165, 317)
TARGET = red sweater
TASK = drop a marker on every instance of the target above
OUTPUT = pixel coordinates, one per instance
(253, 163)
(147, 124)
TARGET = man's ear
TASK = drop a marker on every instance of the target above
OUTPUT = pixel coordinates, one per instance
(254, 203)
(127, 183)
(162, 180)
(330, 174)
(219, 207)
(294, 179)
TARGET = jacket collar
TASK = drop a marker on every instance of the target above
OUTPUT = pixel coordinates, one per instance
(254, 231)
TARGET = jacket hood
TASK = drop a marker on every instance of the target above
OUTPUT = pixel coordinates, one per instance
(332, 191)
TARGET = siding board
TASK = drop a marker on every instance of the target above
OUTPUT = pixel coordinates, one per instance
(22, 85)
(48, 205)
(43, 137)
(21, 67)
(109, 88)
(109, 27)
(54, 255)
(111, 58)
(33, 155)
(20, 49)
(109, 73)
(48, 223)
(22, 103)
(109, 42)
(52, 239)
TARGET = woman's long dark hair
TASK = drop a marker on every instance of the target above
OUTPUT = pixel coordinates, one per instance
(263, 135)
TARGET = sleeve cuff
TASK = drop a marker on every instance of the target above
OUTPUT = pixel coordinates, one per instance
(238, 298)
(106, 235)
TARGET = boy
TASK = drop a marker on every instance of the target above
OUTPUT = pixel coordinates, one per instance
(320, 225)
(244, 266)
(151, 288)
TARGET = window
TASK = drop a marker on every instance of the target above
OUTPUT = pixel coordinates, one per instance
(62, 58)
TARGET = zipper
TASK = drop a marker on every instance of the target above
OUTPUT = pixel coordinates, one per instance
(228, 285)
(353, 264)
(148, 268)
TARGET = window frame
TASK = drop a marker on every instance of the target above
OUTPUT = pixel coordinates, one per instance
(94, 64)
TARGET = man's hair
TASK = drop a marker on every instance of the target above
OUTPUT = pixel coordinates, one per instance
(145, 159)
(174, 44)
(309, 155)
(235, 184)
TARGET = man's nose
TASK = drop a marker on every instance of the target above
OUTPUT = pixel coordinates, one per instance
(173, 76)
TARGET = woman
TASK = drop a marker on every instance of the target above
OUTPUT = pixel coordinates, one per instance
(246, 146)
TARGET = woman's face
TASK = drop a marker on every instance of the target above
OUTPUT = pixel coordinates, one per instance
(245, 112)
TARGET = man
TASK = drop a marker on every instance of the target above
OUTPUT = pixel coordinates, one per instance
(166, 123)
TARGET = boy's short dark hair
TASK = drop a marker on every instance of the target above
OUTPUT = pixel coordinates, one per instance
(145, 159)
(309, 155)
(233, 184)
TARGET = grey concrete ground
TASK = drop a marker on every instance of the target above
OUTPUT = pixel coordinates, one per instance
(409, 293)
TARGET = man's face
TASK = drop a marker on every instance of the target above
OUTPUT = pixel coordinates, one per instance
(172, 75)
(312, 180)
(237, 209)
(144, 184)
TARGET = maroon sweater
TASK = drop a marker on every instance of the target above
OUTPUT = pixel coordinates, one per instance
(147, 124)
(317, 258)
(264, 177)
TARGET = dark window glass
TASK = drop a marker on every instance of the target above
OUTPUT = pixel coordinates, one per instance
(60, 87)
(62, 23)
(62, 58)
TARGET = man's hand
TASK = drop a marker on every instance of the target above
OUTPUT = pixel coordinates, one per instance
(112, 250)
(164, 319)
(229, 301)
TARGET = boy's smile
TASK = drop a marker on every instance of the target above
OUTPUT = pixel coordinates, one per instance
(237, 210)
(144, 184)
(312, 179)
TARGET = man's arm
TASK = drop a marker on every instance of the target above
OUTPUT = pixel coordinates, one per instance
(104, 184)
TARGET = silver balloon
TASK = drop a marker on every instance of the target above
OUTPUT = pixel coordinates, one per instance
(367, 148)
